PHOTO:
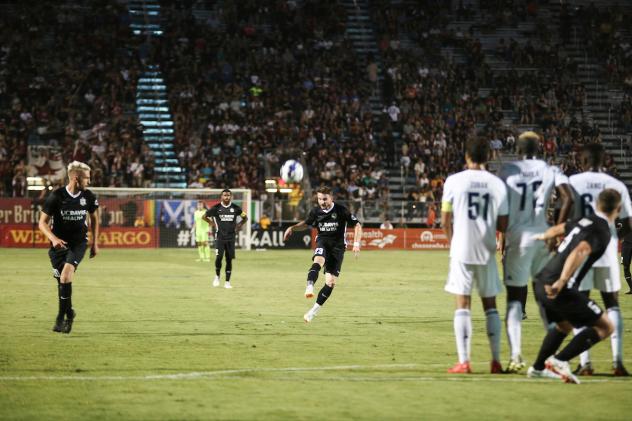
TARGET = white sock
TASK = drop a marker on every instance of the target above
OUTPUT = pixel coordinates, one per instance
(616, 339)
(584, 357)
(514, 327)
(494, 331)
(463, 333)
(316, 308)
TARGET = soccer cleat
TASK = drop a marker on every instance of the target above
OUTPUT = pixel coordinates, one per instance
(309, 291)
(59, 324)
(227, 285)
(309, 316)
(618, 370)
(207, 260)
(515, 365)
(216, 281)
(198, 260)
(562, 369)
(532, 373)
(629, 292)
(67, 326)
(460, 368)
(495, 367)
(524, 315)
(584, 370)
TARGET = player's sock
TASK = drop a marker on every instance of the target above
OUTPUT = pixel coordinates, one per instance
(60, 311)
(312, 274)
(616, 339)
(628, 280)
(514, 327)
(207, 252)
(584, 357)
(550, 344)
(324, 293)
(493, 332)
(218, 265)
(229, 269)
(580, 343)
(463, 333)
(201, 252)
(65, 298)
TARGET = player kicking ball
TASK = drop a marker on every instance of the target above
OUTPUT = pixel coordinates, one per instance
(474, 205)
(557, 289)
(330, 220)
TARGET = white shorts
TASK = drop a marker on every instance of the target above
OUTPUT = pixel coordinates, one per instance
(604, 279)
(522, 263)
(464, 276)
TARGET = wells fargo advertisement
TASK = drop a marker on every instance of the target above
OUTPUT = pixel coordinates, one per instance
(112, 237)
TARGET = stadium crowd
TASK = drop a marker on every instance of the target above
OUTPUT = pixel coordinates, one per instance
(258, 82)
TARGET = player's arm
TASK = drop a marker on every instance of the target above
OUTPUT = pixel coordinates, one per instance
(446, 219)
(94, 228)
(44, 226)
(572, 263)
(296, 227)
(566, 196)
(553, 232)
(357, 236)
(244, 219)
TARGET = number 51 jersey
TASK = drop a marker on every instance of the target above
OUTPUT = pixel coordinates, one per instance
(476, 198)
(587, 186)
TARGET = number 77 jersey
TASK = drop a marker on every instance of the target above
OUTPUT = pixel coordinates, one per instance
(476, 199)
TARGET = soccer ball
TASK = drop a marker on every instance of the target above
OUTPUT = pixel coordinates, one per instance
(292, 171)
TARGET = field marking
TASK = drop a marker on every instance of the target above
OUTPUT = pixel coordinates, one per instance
(242, 374)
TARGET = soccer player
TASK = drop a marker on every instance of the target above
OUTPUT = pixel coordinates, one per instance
(330, 220)
(224, 217)
(586, 240)
(530, 184)
(64, 221)
(201, 228)
(474, 206)
(605, 275)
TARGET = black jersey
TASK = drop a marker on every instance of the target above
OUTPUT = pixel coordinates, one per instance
(331, 224)
(70, 214)
(225, 218)
(592, 229)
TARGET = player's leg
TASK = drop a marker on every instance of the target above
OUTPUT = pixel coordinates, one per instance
(333, 263)
(57, 259)
(460, 281)
(201, 244)
(488, 283)
(608, 281)
(230, 256)
(626, 260)
(517, 264)
(73, 258)
(318, 261)
(219, 256)
(584, 368)
(207, 252)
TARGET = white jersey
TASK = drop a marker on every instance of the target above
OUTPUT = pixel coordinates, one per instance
(587, 186)
(477, 198)
(530, 183)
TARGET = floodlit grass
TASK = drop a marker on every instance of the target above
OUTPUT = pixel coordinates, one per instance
(153, 340)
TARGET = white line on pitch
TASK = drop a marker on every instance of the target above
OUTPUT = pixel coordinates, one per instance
(240, 374)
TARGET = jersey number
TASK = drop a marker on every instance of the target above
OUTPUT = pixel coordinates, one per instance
(568, 239)
(474, 209)
(586, 204)
(319, 251)
(523, 196)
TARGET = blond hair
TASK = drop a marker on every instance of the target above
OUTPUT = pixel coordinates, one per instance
(75, 166)
(529, 135)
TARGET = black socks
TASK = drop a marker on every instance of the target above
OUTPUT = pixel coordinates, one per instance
(312, 274)
(580, 343)
(65, 299)
(550, 344)
(324, 293)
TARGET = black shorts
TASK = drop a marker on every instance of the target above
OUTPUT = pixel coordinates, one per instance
(72, 254)
(225, 247)
(333, 254)
(569, 305)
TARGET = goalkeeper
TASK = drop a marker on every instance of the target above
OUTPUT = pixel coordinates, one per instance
(201, 228)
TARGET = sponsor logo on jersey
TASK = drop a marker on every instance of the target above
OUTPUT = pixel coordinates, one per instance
(82, 201)
(334, 216)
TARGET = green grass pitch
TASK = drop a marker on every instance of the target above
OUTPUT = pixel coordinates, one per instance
(153, 340)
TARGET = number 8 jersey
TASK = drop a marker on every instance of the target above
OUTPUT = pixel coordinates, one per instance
(476, 199)
(587, 186)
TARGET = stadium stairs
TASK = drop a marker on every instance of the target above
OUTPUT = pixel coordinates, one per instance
(152, 103)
